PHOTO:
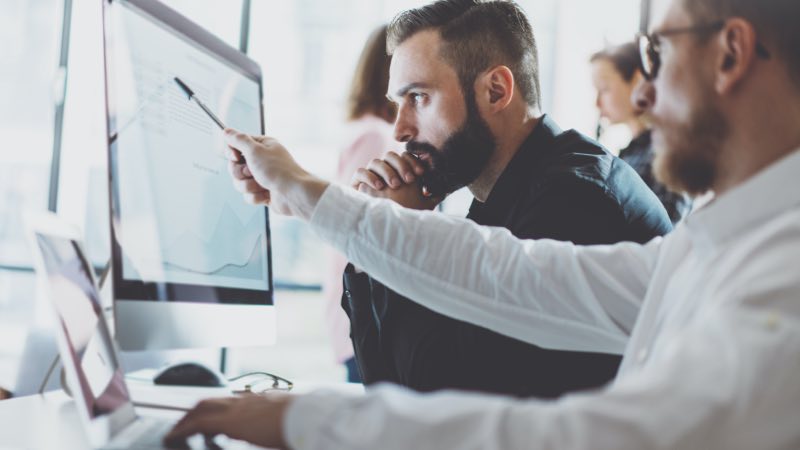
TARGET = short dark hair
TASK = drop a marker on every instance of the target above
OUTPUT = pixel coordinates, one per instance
(776, 20)
(477, 34)
(371, 80)
(624, 58)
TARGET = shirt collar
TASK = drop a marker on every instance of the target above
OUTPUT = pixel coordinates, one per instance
(765, 195)
(516, 174)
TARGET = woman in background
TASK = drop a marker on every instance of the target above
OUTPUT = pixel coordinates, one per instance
(615, 74)
(370, 117)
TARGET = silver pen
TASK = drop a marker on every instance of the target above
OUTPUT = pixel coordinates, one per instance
(190, 93)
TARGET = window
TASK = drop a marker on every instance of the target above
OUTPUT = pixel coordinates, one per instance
(28, 82)
(30, 31)
(579, 28)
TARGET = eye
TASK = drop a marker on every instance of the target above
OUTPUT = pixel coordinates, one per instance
(417, 98)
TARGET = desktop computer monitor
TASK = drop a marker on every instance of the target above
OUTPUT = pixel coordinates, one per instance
(191, 262)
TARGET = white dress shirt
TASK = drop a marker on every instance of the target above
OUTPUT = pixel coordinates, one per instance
(708, 317)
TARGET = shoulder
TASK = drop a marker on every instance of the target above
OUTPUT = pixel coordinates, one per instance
(758, 269)
(767, 250)
(577, 154)
(576, 162)
(589, 176)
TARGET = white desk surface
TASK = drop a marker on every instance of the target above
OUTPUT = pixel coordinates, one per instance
(50, 421)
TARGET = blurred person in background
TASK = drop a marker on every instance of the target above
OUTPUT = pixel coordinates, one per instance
(370, 117)
(615, 75)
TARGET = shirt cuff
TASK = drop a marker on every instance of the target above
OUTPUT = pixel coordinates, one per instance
(337, 214)
(309, 414)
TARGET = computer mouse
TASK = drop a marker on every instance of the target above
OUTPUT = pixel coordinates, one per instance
(190, 374)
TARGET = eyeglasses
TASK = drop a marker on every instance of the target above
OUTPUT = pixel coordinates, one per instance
(650, 45)
(260, 383)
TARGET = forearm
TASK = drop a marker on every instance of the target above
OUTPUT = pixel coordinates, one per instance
(304, 194)
(530, 291)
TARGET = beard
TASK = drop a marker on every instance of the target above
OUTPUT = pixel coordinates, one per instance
(687, 158)
(461, 158)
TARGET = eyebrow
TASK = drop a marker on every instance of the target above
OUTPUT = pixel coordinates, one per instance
(404, 90)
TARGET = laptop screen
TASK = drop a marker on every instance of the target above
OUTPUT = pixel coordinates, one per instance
(89, 348)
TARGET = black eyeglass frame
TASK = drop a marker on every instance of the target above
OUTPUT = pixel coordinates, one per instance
(650, 46)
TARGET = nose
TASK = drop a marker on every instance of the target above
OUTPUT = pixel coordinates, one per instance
(404, 127)
(597, 101)
(644, 96)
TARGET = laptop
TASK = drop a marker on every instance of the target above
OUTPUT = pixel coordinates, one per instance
(88, 352)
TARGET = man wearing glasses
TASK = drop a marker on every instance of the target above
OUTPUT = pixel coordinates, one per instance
(712, 310)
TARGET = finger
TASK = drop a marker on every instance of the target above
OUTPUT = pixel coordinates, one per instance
(207, 424)
(403, 166)
(178, 432)
(176, 443)
(239, 171)
(208, 440)
(248, 186)
(242, 142)
(258, 198)
(364, 176)
(364, 188)
(385, 171)
(417, 165)
(234, 155)
(204, 407)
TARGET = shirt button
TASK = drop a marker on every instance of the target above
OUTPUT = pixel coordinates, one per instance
(641, 355)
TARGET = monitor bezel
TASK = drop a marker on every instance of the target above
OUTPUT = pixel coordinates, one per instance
(137, 290)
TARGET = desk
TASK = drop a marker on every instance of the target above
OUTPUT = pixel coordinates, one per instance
(50, 421)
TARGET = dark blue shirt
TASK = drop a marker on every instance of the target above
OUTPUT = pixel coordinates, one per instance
(639, 154)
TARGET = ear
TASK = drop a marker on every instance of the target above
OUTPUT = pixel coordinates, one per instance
(737, 43)
(495, 88)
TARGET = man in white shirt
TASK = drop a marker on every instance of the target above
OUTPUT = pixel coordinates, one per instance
(709, 316)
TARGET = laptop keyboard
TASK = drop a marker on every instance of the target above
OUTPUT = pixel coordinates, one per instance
(147, 433)
(143, 434)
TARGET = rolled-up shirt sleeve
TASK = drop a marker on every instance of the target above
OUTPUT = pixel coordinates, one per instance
(548, 293)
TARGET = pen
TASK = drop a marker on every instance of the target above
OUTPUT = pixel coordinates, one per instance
(190, 93)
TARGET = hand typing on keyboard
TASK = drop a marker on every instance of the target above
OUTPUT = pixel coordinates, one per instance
(257, 419)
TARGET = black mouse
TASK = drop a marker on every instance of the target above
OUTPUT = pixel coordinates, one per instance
(190, 374)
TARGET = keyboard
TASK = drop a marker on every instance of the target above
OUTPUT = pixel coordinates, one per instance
(143, 434)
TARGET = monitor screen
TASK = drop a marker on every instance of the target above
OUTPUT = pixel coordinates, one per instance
(181, 231)
(89, 349)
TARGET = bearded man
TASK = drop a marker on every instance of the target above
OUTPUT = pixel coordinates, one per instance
(464, 76)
